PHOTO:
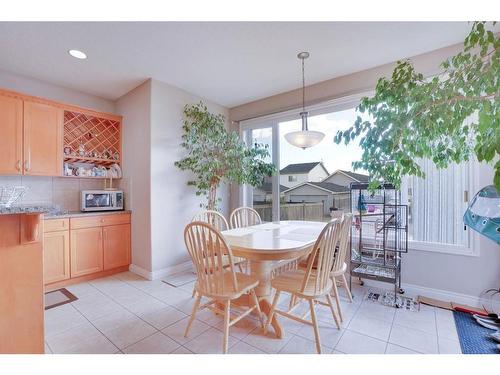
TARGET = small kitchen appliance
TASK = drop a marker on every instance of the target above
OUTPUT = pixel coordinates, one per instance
(102, 200)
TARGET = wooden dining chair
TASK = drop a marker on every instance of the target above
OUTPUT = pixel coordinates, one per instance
(213, 218)
(244, 217)
(219, 283)
(339, 268)
(312, 283)
(218, 220)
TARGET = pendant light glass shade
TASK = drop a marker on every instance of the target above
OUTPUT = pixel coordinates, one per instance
(304, 138)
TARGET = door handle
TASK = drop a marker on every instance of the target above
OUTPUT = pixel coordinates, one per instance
(26, 166)
(19, 166)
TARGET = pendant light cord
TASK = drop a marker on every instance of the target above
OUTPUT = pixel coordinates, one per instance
(303, 88)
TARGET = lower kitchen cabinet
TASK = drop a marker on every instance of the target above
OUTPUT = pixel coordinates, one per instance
(85, 246)
(86, 251)
(116, 246)
(56, 264)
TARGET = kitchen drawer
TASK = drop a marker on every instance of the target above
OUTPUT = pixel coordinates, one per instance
(54, 225)
(99, 221)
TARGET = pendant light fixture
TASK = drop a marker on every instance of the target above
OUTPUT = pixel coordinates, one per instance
(304, 138)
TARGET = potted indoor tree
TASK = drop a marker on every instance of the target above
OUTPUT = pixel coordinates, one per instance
(448, 118)
(215, 155)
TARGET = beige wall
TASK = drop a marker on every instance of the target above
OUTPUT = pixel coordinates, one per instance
(35, 87)
(173, 203)
(427, 63)
(161, 201)
(135, 109)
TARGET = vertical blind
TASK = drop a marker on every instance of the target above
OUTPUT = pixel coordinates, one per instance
(437, 204)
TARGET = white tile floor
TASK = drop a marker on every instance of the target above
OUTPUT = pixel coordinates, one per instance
(128, 314)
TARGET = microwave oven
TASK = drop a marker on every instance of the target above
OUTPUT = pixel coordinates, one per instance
(101, 200)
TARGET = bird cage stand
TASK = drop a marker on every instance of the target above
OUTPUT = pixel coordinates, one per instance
(379, 234)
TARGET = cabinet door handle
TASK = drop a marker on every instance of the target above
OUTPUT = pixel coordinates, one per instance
(26, 168)
(19, 166)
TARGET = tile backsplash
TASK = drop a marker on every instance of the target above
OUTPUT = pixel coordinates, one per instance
(60, 191)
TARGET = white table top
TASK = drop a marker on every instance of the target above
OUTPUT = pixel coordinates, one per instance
(274, 241)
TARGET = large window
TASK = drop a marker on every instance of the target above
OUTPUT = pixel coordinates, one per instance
(314, 183)
(436, 207)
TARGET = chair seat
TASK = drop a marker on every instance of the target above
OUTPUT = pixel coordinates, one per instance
(245, 284)
(341, 271)
(291, 282)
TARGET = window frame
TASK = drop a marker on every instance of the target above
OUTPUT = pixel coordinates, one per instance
(472, 249)
(335, 105)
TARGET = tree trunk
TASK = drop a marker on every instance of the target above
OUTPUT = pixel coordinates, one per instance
(212, 196)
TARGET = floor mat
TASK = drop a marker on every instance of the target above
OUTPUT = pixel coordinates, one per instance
(473, 337)
(387, 299)
(58, 298)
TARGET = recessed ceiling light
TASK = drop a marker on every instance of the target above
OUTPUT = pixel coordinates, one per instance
(77, 54)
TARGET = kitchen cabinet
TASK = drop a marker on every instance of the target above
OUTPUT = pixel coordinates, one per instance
(36, 131)
(21, 280)
(99, 243)
(11, 138)
(86, 251)
(43, 124)
(56, 251)
(116, 246)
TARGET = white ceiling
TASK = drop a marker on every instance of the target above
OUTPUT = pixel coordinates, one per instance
(228, 63)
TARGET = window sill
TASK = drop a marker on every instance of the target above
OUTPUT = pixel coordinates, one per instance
(430, 247)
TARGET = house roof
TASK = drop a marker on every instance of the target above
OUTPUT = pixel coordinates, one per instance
(357, 176)
(325, 186)
(334, 188)
(301, 168)
(267, 187)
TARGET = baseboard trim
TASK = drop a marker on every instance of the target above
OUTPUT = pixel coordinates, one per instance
(159, 274)
(443, 295)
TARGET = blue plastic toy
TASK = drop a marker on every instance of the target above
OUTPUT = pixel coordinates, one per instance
(483, 213)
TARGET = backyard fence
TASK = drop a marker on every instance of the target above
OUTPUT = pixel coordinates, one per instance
(293, 211)
(342, 201)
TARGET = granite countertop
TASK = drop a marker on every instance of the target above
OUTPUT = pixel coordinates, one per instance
(21, 210)
(54, 213)
(70, 214)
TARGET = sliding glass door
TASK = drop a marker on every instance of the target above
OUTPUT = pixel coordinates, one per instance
(311, 184)
(261, 197)
(315, 181)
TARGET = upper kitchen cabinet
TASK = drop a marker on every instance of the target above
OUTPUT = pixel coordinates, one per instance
(42, 137)
(43, 124)
(11, 139)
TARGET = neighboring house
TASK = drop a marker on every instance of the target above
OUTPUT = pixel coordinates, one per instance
(264, 193)
(332, 195)
(295, 174)
(344, 178)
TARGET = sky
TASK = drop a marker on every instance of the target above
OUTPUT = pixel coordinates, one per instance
(334, 156)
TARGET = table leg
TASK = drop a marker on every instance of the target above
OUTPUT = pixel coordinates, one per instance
(262, 271)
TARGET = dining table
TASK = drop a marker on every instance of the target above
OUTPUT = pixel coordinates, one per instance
(268, 246)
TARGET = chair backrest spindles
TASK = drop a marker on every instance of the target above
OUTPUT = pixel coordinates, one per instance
(213, 218)
(244, 217)
(207, 249)
(322, 257)
(345, 232)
